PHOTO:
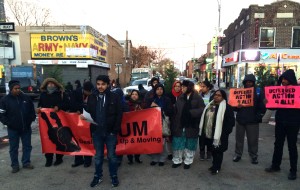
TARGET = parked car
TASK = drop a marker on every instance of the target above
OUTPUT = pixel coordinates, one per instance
(145, 82)
(28, 86)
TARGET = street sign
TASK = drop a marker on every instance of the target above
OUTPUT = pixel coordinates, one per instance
(120, 70)
(118, 64)
(7, 26)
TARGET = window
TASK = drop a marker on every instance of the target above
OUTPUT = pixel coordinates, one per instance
(296, 37)
(267, 37)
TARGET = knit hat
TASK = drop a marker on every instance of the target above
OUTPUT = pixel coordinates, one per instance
(13, 83)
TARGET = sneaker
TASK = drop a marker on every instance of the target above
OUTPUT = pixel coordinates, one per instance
(186, 167)
(28, 166)
(272, 169)
(170, 157)
(96, 181)
(254, 161)
(214, 172)
(15, 170)
(114, 181)
(58, 162)
(175, 165)
(237, 158)
(138, 161)
(292, 176)
(153, 163)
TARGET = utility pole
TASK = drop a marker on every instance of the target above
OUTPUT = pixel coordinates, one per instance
(4, 61)
(218, 44)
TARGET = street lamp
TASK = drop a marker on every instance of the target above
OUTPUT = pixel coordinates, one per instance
(218, 43)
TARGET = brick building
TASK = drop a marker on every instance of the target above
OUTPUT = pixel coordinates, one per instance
(268, 34)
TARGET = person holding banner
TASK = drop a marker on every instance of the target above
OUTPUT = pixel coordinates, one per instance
(287, 125)
(134, 104)
(162, 101)
(216, 123)
(105, 108)
(207, 96)
(247, 121)
(53, 96)
(188, 110)
(78, 103)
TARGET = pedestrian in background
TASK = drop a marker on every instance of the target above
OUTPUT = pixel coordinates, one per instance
(142, 91)
(106, 110)
(216, 123)
(162, 101)
(17, 113)
(151, 93)
(247, 121)
(53, 96)
(287, 125)
(78, 103)
(188, 110)
(206, 93)
(134, 104)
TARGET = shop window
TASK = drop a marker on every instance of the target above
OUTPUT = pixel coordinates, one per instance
(267, 37)
(296, 37)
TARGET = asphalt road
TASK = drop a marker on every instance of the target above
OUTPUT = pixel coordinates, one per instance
(241, 175)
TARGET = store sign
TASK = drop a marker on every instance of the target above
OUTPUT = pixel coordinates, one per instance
(231, 59)
(250, 55)
(7, 49)
(59, 46)
(281, 55)
(78, 63)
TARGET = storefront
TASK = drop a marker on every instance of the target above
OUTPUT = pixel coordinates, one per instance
(79, 56)
(243, 62)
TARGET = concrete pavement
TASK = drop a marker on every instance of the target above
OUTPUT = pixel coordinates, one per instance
(241, 175)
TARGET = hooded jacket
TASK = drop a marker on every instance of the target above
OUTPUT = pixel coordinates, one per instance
(58, 98)
(255, 113)
(287, 115)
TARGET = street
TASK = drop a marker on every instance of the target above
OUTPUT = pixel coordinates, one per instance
(241, 175)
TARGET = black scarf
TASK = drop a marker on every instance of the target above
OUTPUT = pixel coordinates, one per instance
(186, 117)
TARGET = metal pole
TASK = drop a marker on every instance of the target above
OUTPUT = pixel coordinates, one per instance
(118, 82)
(218, 44)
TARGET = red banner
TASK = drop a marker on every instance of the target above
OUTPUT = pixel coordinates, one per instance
(243, 96)
(65, 133)
(282, 96)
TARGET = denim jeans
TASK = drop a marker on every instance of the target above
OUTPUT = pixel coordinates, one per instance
(110, 140)
(14, 139)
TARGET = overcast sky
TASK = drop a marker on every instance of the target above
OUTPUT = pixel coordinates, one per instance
(172, 25)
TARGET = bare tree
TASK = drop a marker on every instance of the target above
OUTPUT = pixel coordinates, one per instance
(26, 13)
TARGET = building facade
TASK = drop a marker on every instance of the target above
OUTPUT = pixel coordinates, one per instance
(78, 52)
(268, 34)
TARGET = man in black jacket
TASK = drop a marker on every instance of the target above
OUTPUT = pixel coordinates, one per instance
(106, 110)
(248, 119)
(287, 125)
(17, 112)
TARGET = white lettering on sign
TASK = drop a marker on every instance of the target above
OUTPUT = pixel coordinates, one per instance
(6, 27)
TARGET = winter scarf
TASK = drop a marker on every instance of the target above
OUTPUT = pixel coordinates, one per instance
(176, 94)
(219, 121)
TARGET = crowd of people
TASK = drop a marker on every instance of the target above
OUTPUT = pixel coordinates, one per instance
(196, 118)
